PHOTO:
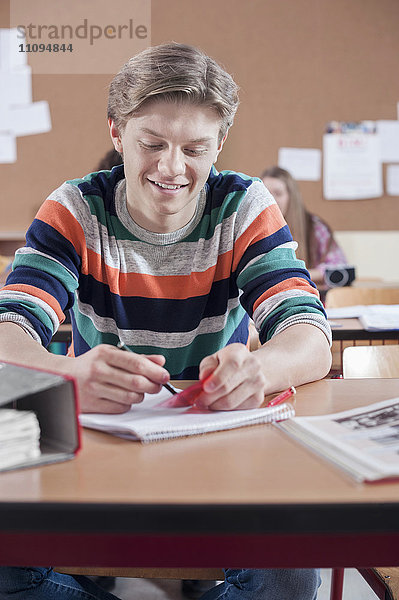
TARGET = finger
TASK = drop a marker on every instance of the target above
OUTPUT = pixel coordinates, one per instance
(247, 394)
(208, 365)
(121, 382)
(121, 396)
(140, 364)
(159, 359)
(227, 376)
(101, 405)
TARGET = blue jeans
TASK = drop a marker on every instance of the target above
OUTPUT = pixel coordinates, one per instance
(40, 583)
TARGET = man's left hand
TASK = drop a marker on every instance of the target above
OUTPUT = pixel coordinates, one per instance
(234, 379)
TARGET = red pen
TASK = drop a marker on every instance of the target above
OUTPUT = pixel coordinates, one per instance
(283, 396)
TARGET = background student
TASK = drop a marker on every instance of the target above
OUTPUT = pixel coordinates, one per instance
(316, 243)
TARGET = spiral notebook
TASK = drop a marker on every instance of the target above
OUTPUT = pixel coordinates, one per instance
(153, 420)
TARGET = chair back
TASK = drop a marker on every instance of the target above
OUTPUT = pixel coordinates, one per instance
(352, 296)
(371, 361)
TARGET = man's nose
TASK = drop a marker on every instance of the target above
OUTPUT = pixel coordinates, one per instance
(171, 163)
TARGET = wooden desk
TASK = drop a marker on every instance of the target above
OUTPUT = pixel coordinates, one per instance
(350, 332)
(251, 497)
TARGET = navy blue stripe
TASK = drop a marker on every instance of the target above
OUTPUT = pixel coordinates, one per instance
(187, 373)
(257, 286)
(102, 184)
(282, 236)
(79, 344)
(221, 184)
(42, 236)
(240, 335)
(38, 326)
(155, 314)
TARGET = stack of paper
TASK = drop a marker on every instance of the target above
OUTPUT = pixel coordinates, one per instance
(380, 317)
(19, 437)
(373, 317)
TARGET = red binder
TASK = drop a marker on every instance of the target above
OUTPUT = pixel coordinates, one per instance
(54, 399)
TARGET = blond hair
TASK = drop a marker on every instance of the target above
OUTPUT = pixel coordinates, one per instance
(172, 72)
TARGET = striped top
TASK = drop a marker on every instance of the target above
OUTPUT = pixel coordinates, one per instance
(183, 294)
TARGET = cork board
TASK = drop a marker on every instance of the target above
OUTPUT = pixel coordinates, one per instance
(299, 64)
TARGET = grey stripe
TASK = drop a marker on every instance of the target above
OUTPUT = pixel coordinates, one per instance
(253, 204)
(24, 297)
(309, 318)
(23, 322)
(270, 304)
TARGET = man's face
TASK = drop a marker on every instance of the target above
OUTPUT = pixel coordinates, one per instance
(168, 151)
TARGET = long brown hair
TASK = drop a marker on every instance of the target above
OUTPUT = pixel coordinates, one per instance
(299, 220)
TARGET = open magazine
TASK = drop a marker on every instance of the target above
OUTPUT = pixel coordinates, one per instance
(362, 441)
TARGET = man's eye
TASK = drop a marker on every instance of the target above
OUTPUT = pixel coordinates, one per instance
(195, 151)
(151, 146)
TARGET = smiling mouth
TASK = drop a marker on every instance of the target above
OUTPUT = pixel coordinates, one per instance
(168, 186)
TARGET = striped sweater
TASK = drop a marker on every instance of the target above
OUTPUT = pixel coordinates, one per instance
(183, 294)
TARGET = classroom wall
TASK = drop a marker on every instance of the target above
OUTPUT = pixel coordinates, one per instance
(299, 64)
(374, 253)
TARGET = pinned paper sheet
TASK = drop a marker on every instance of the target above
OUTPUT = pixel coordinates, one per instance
(8, 148)
(388, 132)
(16, 85)
(302, 163)
(10, 58)
(19, 116)
(352, 166)
(30, 119)
(393, 180)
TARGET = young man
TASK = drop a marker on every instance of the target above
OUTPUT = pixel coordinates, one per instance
(172, 258)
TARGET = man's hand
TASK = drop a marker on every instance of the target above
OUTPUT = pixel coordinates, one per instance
(237, 380)
(110, 380)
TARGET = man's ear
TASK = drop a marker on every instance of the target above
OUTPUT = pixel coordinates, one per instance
(115, 136)
(221, 145)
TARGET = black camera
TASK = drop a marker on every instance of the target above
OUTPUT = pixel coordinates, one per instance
(339, 276)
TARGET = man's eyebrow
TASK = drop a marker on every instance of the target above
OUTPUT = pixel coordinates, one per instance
(158, 135)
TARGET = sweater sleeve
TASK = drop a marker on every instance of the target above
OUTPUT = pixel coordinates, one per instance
(275, 286)
(45, 271)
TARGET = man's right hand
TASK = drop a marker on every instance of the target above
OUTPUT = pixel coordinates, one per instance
(110, 380)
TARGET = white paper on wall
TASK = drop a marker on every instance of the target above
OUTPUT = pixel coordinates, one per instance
(352, 166)
(10, 57)
(303, 163)
(8, 148)
(19, 116)
(30, 119)
(388, 132)
(16, 85)
(393, 180)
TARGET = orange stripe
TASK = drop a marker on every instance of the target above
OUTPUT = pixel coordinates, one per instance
(57, 216)
(294, 283)
(38, 293)
(152, 286)
(266, 223)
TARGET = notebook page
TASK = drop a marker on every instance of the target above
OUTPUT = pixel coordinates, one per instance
(149, 421)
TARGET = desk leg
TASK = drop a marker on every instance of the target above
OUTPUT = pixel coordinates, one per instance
(337, 584)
